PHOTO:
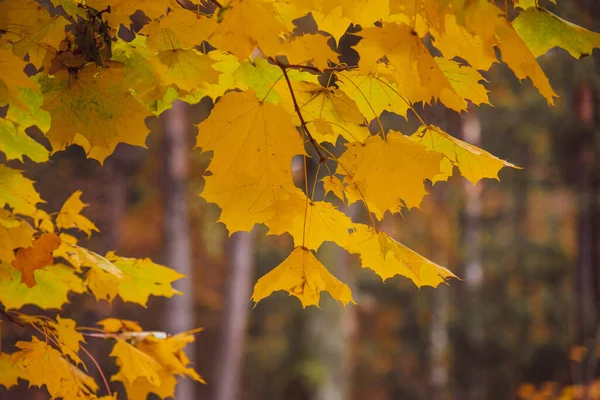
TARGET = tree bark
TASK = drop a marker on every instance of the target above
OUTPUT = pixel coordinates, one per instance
(179, 310)
(229, 360)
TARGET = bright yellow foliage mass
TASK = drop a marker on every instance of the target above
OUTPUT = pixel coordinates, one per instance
(88, 74)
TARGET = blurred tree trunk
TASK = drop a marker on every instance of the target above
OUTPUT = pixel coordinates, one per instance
(473, 270)
(332, 328)
(179, 310)
(230, 356)
(586, 273)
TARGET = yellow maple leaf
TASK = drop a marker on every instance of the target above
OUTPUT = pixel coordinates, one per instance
(388, 171)
(253, 143)
(38, 256)
(41, 364)
(30, 29)
(143, 278)
(332, 183)
(261, 76)
(95, 105)
(416, 73)
(121, 10)
(15, 143)
(103, 285)
(310, 48)
(388, 258)
(328, 108)
(322, 222)
(332, 22)
(246, 25)
(139, 72)
(541, 30)
(114, 325)
(53, 284)
(18, 192)
(180, 28)
(473, 163)
(9, 375)
(465, 81)
(67, 337)
(134, 363)
(14, 233)
(374, 93)
(302, 275)
(457, 41)
(70, 217)
(168, 352)
(13, 78)
(187, 68)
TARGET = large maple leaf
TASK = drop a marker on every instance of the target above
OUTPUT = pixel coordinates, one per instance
(253, 143)
(93, 105)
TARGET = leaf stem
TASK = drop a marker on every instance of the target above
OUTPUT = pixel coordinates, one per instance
(299, 113)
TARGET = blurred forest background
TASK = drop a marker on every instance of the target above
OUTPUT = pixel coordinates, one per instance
(523, 322)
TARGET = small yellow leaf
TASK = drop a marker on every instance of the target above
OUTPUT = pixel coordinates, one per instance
(42, 365)
(13, 78)
(9, 375)
(302, 275)
(15, 143)
(134, 363)
(374, 92)
(472, 162)
(187, 68)
(67, 337)
(541, 30)
(332, 183)
(53, 285)
(322, 222)
(18, 192)
(114, 325)
(388, 171)
(70, 217)
(465, 81)
(388, 258)
(246, 25)
(326, 106)
(17, 234)
(311, 49)
(143, 278)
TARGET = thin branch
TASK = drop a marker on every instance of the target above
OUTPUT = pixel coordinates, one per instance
(297, 108)
(217, 3)
(315, 69)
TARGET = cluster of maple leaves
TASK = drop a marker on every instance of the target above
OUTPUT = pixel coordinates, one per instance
(278, 92)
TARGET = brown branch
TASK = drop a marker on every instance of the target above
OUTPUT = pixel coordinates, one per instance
(12, 319)
(217, 3)
(297, 108)
(314, 69)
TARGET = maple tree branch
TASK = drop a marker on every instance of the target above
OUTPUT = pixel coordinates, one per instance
(314, 69)
(300, 116)
(217, 3)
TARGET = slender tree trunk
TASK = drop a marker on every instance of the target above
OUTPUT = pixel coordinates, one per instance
(473, 269)
(229, 360)
(586, 274)
(179, 311)
(332, 329)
